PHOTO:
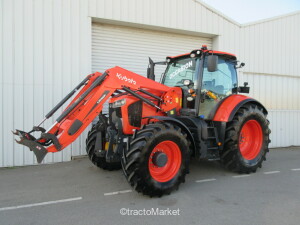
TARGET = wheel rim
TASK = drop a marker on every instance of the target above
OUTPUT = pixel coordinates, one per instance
(172, 165)
(251, 139)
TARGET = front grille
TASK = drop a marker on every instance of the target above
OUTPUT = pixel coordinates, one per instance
(135, 114)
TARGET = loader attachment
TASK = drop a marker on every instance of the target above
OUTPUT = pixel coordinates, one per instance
(55, 139)
(28, 140)
(94, 91)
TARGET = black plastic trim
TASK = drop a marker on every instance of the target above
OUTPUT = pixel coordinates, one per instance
(236, 108)
(178, 122)
(75, 127)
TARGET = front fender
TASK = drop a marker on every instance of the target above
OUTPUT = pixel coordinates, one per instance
(178, 123)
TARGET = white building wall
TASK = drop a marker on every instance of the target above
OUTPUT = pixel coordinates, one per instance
(46, 50)
(271, 49)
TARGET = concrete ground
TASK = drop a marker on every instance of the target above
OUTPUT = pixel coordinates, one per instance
(79, 193)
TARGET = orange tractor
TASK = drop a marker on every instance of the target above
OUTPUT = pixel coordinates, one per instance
(153, 129)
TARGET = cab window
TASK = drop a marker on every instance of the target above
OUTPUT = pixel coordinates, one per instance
(217, 85)
(221, 81)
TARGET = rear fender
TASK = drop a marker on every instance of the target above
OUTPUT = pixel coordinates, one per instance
(229, 106)
(227, 109)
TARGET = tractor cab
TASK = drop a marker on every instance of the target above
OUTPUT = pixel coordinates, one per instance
(206, 78)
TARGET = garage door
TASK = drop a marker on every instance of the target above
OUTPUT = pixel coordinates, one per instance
(130, 47)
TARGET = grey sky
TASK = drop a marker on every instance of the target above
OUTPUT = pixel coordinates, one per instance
(245, 11)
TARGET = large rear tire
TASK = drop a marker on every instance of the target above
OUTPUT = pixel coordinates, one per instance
(157, 159)
(99, 161)
(246, 140)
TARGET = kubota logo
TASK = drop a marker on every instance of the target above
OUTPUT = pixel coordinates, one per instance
(129, 80)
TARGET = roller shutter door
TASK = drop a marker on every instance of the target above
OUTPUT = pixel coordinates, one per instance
(130, 47)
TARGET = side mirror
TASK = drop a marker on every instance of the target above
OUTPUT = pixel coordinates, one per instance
(212, 63)
(240, 66)
(150, 70)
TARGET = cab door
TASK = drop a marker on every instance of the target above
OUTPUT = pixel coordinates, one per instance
(216, 85)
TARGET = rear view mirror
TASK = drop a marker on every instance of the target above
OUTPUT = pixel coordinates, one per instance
(212, 63)
(150, 70)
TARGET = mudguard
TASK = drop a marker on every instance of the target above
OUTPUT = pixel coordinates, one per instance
(177, 122)
(230, 105)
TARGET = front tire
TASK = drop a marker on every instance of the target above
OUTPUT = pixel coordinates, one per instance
(157, 159)
(246, 140)
(99, 161)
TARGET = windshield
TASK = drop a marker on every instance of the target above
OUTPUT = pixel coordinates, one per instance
(180, 70)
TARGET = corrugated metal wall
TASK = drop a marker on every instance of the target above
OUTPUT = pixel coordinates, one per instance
(46, 49)
(270, 50)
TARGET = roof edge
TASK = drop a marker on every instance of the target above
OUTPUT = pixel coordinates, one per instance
(218, 13)
(271, 18)
(207, 6)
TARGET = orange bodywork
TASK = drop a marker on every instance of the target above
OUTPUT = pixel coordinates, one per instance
(227, 106)
(90, 107)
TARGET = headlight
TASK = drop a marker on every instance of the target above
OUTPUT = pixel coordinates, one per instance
(186, 82)
(119, 103)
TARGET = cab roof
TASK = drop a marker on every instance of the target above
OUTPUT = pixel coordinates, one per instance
(205, 50)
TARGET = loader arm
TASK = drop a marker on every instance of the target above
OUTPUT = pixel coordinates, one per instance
(88, 104)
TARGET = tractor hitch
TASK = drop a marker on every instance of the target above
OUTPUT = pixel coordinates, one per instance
(31, 142)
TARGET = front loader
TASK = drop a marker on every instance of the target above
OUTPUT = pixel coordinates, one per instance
(153, 129)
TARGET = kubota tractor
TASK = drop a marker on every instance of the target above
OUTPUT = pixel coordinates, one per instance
(153, 129)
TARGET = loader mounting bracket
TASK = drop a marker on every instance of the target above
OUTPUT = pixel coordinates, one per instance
(53, 138)
(28, 140)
